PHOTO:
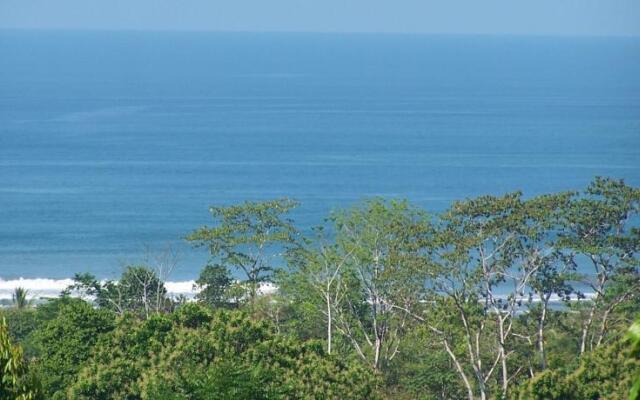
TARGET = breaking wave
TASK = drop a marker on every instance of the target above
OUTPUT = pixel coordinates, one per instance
(44, 288)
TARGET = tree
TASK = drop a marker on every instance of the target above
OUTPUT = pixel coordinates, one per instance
(316, 279)
(66, 342)
(385, 248)
(634, 338)
(495, 253)
(479, 248)
(21, 324)
(213, 286)
(139, 290)
(250, 238)
(21, 298)
(25, 324)
(552, 269)
(599, 231)
(423, 370)
(85, 286)
(195, 353)
(606, 373)
(16, 383)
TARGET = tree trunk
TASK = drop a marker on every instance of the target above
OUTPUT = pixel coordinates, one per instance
(606, 315)
(587, 326)
(376, 357)
(329, 323)
(543, 316)
(503, 357)
(467, 384)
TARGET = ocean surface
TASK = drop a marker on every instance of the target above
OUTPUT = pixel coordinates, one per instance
(114, 145)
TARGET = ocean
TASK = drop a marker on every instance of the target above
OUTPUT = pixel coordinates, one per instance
(114, 144)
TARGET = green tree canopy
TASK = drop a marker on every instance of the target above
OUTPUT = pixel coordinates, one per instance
(66, 342)
(197, 354)
(250, 238)
(606, 373)
(139, 290)
(213, 285)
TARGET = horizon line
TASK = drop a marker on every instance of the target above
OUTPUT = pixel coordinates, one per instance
(331, 33)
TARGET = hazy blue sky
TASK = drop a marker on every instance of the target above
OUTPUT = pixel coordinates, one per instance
(565, 17)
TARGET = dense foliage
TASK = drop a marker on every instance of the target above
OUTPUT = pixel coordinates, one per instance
(497, 297)
(606, 373)
(15, 380)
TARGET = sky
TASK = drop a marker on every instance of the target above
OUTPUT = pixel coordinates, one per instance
(534, 17)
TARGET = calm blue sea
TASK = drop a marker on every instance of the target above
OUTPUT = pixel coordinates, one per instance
(112, 143)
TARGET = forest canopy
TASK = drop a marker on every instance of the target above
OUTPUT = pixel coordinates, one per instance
(497, 297)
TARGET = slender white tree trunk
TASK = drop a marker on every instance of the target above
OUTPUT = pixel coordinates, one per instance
(376, 357)
(586, 327)
(503, 357)
(329, 323)
(467, 384)
(543, 316)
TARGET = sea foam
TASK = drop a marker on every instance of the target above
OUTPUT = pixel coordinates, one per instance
(44, 288)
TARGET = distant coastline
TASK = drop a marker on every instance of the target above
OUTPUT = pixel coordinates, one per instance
(43, 288)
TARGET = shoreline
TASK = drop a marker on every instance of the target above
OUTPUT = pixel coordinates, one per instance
(43, 288)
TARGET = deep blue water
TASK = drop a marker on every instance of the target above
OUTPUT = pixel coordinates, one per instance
(110, 142)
